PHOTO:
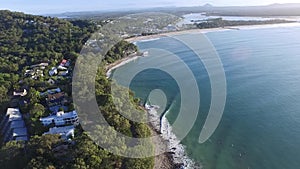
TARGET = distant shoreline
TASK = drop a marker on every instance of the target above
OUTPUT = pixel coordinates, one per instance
(109, 68)
(197, 30)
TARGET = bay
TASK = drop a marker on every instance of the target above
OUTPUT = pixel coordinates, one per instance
(261, 121)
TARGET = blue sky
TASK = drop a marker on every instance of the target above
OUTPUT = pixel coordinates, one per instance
(59, 6)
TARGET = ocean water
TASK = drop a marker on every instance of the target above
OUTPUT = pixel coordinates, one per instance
(260, 127)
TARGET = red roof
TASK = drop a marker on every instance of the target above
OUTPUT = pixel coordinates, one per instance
(64, 61)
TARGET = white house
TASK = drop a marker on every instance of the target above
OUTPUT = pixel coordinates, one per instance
(61, 118)
(66, 132)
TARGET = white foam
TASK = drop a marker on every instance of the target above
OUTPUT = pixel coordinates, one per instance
(178, 154)
(148, 40)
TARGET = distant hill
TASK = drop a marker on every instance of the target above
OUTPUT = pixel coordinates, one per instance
(292, 9)
(269, 10)
(33, 39)
(289, 5)
(207, 5)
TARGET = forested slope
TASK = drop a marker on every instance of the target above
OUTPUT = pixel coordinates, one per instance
(26, 40)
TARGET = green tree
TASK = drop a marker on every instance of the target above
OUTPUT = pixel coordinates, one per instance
(35, 113)
(12, 155)
(3, 94)
(34, 96)
(39, 163)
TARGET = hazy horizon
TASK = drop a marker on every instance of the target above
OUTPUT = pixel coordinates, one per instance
(61, 6)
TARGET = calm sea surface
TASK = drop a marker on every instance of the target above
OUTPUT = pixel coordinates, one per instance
(260, 128)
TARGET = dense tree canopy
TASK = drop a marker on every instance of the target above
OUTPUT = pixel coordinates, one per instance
(26, 40)
(219, 22)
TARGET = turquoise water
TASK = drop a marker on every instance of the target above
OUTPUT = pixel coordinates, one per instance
(260, 127)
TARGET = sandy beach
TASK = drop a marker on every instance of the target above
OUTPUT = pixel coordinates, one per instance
(109, 68)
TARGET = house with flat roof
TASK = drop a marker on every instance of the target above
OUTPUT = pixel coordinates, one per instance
(19, 132)
(17, 124)
(12, 114)
(61, 118)
(13, 126)
(65, 132)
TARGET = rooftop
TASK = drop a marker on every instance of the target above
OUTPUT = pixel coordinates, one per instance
(13, 114)
(60, 115)
(66, 131)
(51, 91)
(17, 124)
(20, 132)
(61, 119)
(22, 138)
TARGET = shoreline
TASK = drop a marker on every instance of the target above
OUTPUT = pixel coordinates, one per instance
(109, 68)
(197, 30)
(174, 157)
(174, 149)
